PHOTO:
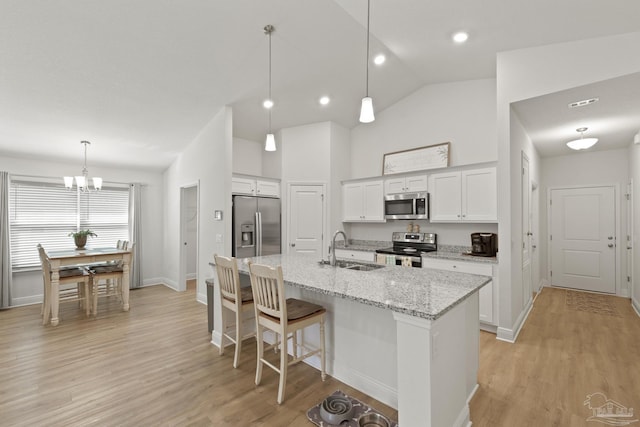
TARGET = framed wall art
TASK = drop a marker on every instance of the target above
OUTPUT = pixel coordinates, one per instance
(429, 157)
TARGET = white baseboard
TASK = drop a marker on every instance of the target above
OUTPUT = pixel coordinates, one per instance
(636, 306)
(201, 298)
(511, 335)
(169, 283)
(191, 276)
(488, 328)
(154, 281)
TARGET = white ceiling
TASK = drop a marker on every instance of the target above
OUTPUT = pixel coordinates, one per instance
(141, 79)
(614, 119)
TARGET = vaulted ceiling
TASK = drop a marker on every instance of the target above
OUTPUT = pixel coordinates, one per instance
(141, 79)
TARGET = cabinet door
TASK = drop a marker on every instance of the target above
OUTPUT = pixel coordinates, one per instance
(352, 202)
(268, 188)
(373, 201)
(486, 292)
(479, 195)
(445, 197)
(414, 184)
(394, 186)
(243, 186)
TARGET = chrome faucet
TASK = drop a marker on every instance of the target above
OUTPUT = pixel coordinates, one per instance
(332, 260)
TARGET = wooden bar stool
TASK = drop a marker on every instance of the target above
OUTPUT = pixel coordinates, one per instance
(234, 298)
(284, 317)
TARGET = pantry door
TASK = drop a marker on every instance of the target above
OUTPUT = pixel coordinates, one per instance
(583, 238)
(306, 219)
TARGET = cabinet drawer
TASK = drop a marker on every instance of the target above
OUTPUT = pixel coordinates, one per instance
(461, 266)
(355, 255)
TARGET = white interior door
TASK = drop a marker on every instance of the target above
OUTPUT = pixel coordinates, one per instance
(526, 231)
(306, 219)
(583, 240)
(629, 241)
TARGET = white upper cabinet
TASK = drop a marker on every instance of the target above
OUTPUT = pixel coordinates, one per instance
(363, 201)
(408, 184)
(243, 186)
(255, 187)
(268, 188)
(469, 195)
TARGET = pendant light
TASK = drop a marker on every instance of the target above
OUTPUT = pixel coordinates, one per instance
(82, 181)
(270, 142)
(582, 143)
(366, 109)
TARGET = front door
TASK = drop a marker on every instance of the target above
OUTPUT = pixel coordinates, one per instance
(583, 239)
(306, 219)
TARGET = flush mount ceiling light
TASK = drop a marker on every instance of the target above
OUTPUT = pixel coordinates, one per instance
(366, 109)
(270, 142)
(379, 59)
(460, 37)
(582, 143)
(82, 181)
(583, 103)
(324, 100)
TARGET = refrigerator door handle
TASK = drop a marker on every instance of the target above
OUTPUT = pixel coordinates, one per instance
(258, 233)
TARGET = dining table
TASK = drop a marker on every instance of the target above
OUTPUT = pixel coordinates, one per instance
(83, 257)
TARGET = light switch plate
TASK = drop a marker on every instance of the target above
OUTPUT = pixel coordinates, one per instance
(217, 215)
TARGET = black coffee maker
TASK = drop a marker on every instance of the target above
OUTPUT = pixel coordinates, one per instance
(484, 244)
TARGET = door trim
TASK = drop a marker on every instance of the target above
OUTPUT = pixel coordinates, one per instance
(325, 206)
(617, 216)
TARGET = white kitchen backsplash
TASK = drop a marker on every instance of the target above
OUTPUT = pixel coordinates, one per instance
(458, 234)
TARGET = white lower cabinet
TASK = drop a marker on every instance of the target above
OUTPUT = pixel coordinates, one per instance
(487, 293)
(355, 255)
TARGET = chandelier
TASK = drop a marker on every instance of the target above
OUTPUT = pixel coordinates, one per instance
(82, 181)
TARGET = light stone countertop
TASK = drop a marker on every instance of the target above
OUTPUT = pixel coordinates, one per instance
(420, 292)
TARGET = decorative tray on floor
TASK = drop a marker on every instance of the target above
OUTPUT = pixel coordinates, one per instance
(359, 409)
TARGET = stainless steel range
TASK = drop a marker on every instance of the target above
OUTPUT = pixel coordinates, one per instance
(411, 245)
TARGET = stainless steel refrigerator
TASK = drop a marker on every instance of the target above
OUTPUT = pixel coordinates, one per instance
(256, 226)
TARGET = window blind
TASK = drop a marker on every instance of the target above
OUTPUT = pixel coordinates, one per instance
(46, 212)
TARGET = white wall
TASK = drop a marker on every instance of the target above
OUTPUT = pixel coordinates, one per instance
(634, 172)
(463, 113)
(340, 170)
(27, 286)
(609, 167)
(206, 160)
(528, 73)
(247, 157)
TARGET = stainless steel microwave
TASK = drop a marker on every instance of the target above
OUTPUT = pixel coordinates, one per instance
(406, 206)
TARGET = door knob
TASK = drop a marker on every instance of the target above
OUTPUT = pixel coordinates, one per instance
(610, 245)
(610, 237)
(293, 245)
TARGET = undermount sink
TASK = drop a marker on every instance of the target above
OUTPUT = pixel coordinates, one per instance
(350, 265)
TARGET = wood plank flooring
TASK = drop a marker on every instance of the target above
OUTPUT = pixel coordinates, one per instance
(155, 366)
(151, 366)
(561, 356)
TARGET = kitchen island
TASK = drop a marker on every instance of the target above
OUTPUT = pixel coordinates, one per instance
(406, 336)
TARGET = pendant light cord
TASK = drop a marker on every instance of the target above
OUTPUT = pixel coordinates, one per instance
(368, 34)
(269, 29)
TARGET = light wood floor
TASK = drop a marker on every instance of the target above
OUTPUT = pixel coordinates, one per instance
(152, 366)
(155, 366)
(561, 356)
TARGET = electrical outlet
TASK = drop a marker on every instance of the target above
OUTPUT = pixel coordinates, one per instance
(218, 238)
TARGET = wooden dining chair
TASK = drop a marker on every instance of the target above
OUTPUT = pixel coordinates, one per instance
(107, 279)
(237, 299)
(76, 276)
(285, 317)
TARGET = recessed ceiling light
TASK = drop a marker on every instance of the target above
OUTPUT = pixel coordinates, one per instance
(324, 100)
(267, 103)
(460, 37)
(379, 59)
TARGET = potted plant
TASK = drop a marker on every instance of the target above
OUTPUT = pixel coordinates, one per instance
(80, 237)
